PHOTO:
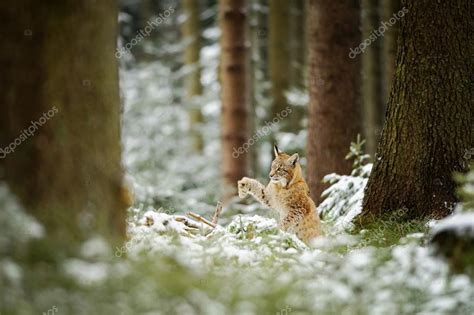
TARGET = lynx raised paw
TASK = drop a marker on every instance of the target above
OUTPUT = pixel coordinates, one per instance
(243, 187)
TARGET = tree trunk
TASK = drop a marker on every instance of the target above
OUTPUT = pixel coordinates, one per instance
(191, 34)
(389, 7)
(259, 72)
(279, 56)
(430, 113)
(257, 32)
(334, 113)
(297, 73)
(234, 96)
(61, 99)
(297, 30)
(372, 90)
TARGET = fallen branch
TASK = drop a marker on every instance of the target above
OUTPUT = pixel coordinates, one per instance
(199, 218)
(186, 221)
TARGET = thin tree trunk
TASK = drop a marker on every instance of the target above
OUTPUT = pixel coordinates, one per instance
(145, 15)
(389, 7)
(297, 43)
(191, 34)
(62, 86)
(334, 113)
(234, 96)
(430, 115)
(279, 55)
(259, 71)
(297, 32)
(372, 89)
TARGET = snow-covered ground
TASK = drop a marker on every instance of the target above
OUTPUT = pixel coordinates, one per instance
(246, 267)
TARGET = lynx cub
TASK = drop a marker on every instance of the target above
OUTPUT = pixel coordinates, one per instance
(288, 194)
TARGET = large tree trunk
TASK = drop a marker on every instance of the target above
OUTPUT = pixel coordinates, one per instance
(191, 34)
(234, 96)
(372, 90)
(334, 113)
(279, 55)
(62, 87)
(430, 113)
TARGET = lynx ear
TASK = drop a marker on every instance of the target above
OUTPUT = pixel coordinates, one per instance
(276, 150)
(293, 159)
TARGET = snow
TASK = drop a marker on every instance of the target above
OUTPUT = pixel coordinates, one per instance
(14, 220)
(86, 273)
(462, 224)
(343, 199)
(95, 247)
(11, 271)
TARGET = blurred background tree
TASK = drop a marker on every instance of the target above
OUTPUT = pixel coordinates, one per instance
(192, 40)
(234, 94)
(68, 175)
(334, 88)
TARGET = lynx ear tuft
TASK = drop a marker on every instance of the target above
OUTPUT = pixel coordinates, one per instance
(293, 159)
(276, 150)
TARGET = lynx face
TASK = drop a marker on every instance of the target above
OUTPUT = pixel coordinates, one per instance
(283, 167)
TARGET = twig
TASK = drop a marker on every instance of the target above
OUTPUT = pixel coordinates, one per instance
(186, 221)
(217, 213)
(197, 217)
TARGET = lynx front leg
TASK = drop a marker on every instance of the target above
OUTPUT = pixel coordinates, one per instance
(253, 187)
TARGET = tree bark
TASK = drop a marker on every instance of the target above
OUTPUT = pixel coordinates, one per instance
(234, 96)
(430, 113)
(279, 55)
(62, 79)
(334, 113)
(372, 89)
(191, 34)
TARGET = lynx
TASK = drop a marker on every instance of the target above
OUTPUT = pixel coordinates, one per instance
(288, 194)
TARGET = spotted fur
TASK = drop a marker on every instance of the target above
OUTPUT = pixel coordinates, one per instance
(288, 194)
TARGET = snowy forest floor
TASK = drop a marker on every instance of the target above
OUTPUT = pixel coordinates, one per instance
(244, 266)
